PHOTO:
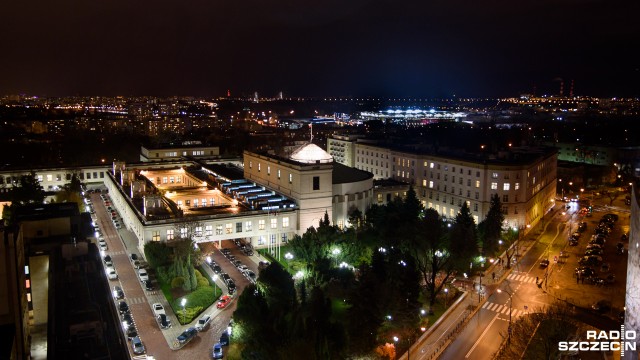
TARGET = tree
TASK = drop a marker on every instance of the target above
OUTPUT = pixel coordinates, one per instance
(510, 242)
(27, 190)
(355, 218)
(463, 237)
(431, 255)
(492, 226)
(72, 192)
(157, 254)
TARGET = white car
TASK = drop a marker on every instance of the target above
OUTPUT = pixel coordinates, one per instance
(103, 245)
(111, 273)
(203, 322)
(158, 309)
(142, 274)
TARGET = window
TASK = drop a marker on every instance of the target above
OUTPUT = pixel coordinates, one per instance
(505, 198)
(58, 178)
(155, 235)
(468, 182)
(250, 164)
(494, 175)
(475, 207)
(431, 184)
(172, 179)
(183, 233)
(316, 183)
(204, 202)
(218, 229)
(208, 230)
(477, 195)
(506, 186)
(239, 227)
(50, 177)
(290, 178)
(424, 182)
(517, 187)
(274, 223)
(261, 224)
(505, 210)
(169, 234)
(494, 186)
(195, 202)
(431, 165)
(477, 173)
(278, 174)
(165, 179)
(268, 170)
(261, 240)
(259, 166)
(198, 230)
(40, 178)
(248, 225)
(228, 228)
(478, 183)
(179, 203)
(285, 222)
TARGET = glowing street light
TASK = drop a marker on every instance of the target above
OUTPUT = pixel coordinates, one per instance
(288, 256)
(183, 302)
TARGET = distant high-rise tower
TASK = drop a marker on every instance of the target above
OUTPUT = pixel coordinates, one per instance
(228, 93)
(280, 95)
(255, 96)
(571, 90)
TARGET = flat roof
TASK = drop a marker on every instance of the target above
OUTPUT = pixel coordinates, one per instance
(345, 174)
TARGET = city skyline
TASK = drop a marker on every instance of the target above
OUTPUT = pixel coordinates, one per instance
(359, 49)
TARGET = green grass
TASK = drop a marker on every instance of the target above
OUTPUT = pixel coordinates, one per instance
(273, 258)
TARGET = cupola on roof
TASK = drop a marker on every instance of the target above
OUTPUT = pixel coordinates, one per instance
(311, 154)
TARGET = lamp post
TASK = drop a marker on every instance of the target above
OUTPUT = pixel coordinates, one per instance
(446, 293)
(335, 253)
(510, 307)
(288, 256)
(183, 302)
(215, 286)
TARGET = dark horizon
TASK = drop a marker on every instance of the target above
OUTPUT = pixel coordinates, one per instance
(357, 49)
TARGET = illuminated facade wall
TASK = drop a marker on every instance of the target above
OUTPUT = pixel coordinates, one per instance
(632, 297)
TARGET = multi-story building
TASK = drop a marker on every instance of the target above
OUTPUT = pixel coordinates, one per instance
(523, 178)
(193, 149)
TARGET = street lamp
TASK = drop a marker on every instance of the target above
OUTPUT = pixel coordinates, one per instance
(446, 293)
(335, 253)
(183, 302)
(510, 307)
(288, 256)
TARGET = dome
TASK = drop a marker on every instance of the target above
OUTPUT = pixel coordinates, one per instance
(310, 154)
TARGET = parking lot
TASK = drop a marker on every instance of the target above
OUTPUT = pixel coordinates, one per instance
(120, 244)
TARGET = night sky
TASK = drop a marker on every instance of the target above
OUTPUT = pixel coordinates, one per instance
(442, 48)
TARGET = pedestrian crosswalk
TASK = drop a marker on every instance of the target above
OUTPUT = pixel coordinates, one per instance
(521, 278)
(503, 309)
(136, 300)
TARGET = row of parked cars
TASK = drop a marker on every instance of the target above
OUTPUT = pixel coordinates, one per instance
(111, 210)
(242, 268)
(594, 252)
(128, 324)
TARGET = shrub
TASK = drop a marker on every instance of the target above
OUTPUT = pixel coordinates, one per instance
(177, 282)
(157, 254)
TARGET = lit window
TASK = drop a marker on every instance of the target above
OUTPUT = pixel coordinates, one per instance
(228, 228)
(494, 186)
(431, 184)
(424, 182)
(274, 223)
(494, 175)
(285, 222)
(506, 186)
(208, 230)
(198, 230)
(517, 187)
(155, 235)
(290, 178)
(183, 233)
(218, 229)
(478, 183)
(431, 165)
(261, 224)
(248, 225)
(170, 234)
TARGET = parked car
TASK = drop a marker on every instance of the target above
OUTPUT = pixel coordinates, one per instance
(133, 257)
(103, 245)
(216, 269)
(605, 267)
(217, 351)
(143, 275)
(231, 287)
(597, 252)
(123, 307)
(611, 278)
(251, 276)
(111, 273)
(107, 260)
(225, 277)
(147, 285)
(131, 331)
(585, 271)
(127, 320)
(224, 338)
(187, 335)
(138, 347)
(224, 301)
(158, 309)
(203, 323)
(163, 321)
(248, 251)
(118, 293)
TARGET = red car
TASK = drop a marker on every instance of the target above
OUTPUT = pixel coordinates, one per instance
(224, 301)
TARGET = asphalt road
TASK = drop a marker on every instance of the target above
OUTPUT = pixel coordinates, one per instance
(482, 336)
